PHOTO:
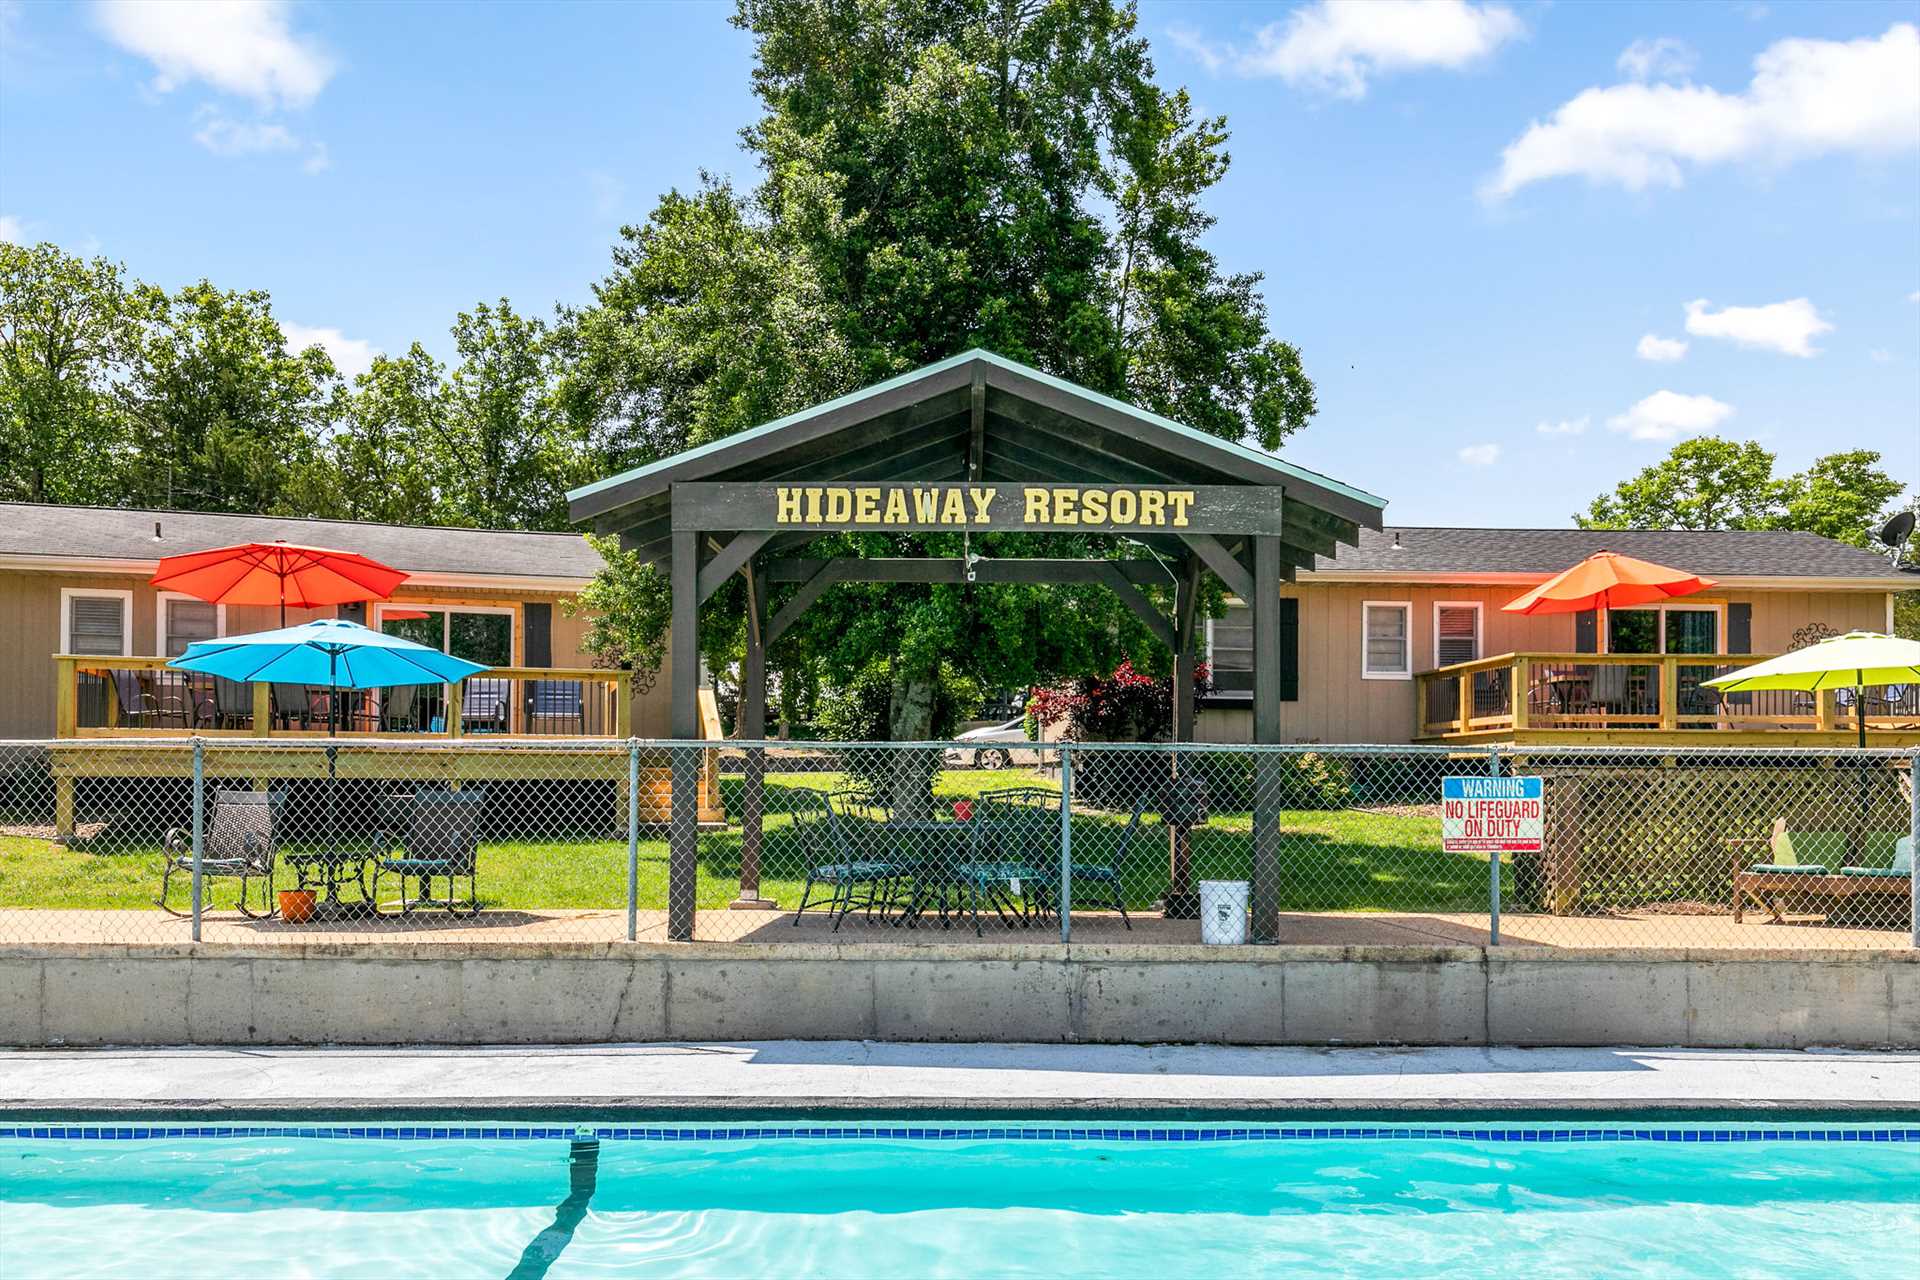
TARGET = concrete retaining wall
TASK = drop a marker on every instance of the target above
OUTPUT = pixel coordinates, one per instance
(398, 993)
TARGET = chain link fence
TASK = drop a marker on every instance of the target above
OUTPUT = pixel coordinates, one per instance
(241, 840)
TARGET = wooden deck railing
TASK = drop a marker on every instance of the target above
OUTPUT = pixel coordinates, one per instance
(1573, 693)
(143, 697)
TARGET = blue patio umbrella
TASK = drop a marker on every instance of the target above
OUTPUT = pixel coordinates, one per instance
(329, 651)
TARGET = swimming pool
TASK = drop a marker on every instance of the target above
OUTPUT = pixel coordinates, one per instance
(955, 1198)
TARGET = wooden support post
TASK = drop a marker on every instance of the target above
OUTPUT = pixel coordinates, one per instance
(684, 829)
(1518, 682)
(456, 701)
(62, 808)
(1823, 711)
(1463, 702)
(262, 709)
(752, 729)
(1265, 924)
(1669, 694)
(1181, 903)
(66, 698)
(623, 704)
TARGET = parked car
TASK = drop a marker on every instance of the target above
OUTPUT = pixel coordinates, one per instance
(988, 747)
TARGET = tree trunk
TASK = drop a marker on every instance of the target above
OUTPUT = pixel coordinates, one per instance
(910, 719)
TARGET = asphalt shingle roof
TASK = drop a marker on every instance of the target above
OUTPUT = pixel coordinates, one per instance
(111, 534)
(1722, 553)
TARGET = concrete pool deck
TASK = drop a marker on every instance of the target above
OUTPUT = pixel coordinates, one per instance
(853, 1076)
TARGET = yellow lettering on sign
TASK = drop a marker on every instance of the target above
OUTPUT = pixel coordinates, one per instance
(896, 507)
(1093, 507)
(839, 506)
(1179, 500)
(1039, 504)
(866, 506)
(1122, 506)
(926, 506)
(813, 505)
(955, 510)
(982, 499)
(789, 506)
(1153, 506)
(1066, 506)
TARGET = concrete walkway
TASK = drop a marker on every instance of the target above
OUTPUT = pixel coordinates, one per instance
(855, 1075)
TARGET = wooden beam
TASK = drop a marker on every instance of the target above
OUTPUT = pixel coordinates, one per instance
(1228, 569)
(1032, 571)
(977, 425)
(728, 561)
(797, 604)
(1157, 622)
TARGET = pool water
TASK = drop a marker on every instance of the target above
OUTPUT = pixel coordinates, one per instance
(942, 1198)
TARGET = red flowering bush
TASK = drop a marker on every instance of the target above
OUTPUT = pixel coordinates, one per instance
(1127, 706)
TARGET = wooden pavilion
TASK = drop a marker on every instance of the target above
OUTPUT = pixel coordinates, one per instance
(981, 444)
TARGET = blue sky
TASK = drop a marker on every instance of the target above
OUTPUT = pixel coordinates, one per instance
(1482, 223)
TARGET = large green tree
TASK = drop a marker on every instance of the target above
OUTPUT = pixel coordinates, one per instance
(937, 175)
(65, 333)
(223, 415)
(381, 456)
(1705, 483)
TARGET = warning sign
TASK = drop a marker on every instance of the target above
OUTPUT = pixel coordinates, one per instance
(1492, 815)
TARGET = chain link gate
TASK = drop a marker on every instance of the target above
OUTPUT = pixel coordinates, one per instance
(158, 840)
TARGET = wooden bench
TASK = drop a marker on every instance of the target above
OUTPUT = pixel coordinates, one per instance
(1808, 862)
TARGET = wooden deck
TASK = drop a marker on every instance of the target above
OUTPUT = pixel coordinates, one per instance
(1586, 699)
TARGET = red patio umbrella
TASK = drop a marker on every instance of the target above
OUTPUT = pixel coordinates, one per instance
(1608, 580)
(281, 573)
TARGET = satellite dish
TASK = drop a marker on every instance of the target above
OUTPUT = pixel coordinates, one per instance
(1895, 532)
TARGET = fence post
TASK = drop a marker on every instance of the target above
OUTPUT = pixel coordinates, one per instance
(633, 839)
(199, 825)
(1913, 830)
(683, 841)
(1493, 866)
(1066, 843)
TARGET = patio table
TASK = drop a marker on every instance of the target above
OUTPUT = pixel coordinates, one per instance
(934, 853)
(327, 872)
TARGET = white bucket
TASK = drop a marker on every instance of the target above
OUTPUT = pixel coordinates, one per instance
(1223, 912)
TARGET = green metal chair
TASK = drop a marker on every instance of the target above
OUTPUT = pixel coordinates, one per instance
(829, 825)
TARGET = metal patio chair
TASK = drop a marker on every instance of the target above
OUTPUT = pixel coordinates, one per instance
(240, 842)
(426, 836)
(1023, 824)
(549, 701)
(232, 704)
(484, 705)
(826, 823)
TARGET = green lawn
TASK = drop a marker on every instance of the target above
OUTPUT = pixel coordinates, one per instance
(1344, 860)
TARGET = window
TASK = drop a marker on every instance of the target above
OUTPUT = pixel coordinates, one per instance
(98, 622)
(1230, 650)
(1456, 632)
(1664, 629)
(1384, 650)
(477, 633)
(180, 620)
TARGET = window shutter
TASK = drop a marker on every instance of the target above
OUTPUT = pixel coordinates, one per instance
(1289, 649)
(1586, 632)
(537, 642)
(97, 624)
(1739, 628)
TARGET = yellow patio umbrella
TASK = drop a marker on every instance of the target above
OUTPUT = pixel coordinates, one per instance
(1857, 660)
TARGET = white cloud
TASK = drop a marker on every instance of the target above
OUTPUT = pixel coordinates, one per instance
(244, 47)
(1787, 327)
(351, 356)
(1807, 97)
(1660, 350)
(227, 137)
(1208, 54)
(1564, 427)
(1480, 455)
(1667, 415)
(12, 230)
(1880, 355)
(1662, 59)
(1914, 296)
(1338, 46)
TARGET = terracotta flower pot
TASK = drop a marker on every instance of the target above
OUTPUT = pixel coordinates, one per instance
(296, 905)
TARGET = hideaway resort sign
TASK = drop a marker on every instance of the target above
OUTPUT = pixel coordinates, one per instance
(978, 508)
